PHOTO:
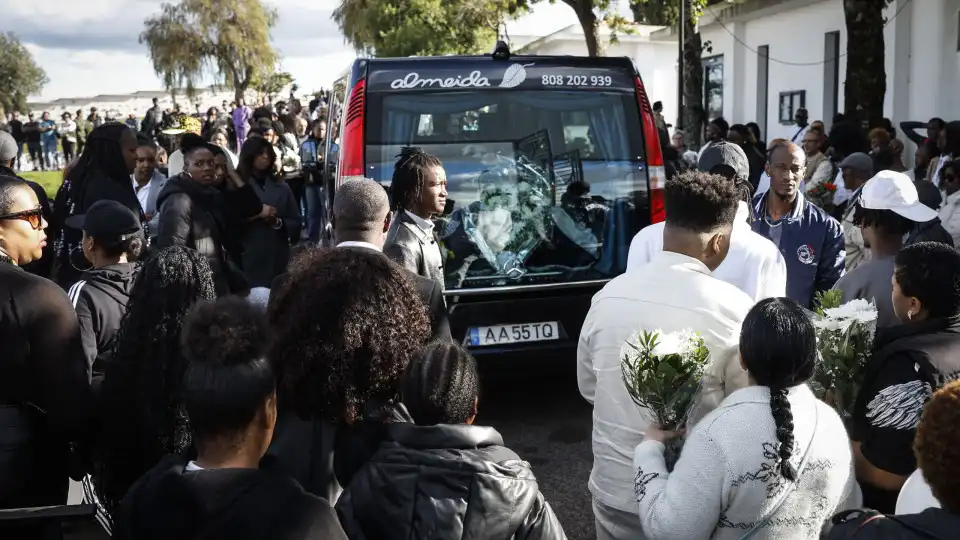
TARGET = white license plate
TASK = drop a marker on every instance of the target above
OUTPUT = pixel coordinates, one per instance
(514, 333)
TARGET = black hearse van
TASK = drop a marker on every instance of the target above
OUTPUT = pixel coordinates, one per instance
(553, 164)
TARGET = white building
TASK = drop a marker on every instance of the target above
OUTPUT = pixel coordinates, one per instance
(656, 59)
(770, 56)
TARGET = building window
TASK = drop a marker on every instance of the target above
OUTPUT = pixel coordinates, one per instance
(713, 86)
(789, 103)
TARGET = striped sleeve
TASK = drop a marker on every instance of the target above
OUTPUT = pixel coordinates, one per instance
(74, 292)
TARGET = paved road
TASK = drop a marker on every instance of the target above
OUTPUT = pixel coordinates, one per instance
(547, 423)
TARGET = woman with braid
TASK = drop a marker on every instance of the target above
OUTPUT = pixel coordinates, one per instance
(418, 192)
(771, 462)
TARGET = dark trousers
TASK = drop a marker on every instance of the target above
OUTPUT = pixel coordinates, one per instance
(67, 150)
(36, 155)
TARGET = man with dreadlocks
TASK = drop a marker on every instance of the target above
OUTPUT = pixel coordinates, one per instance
(101, 173)
(418, 192)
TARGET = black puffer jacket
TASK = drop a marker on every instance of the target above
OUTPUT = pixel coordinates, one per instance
(196, 216)
(931, 524)
(457, 479)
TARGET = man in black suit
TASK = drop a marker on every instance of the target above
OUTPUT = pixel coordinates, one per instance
(361, 220)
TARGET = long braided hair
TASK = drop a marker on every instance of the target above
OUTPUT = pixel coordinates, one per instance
(406, 186)
(778, 345)
(143, 419)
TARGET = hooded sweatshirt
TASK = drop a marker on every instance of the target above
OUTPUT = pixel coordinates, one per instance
(240, 504)
(100, 298)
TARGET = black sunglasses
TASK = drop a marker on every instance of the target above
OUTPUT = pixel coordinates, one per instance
(33, 217)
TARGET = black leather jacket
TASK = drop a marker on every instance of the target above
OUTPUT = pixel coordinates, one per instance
(454, 478)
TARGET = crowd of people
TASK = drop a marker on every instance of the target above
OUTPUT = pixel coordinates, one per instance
(174, 346)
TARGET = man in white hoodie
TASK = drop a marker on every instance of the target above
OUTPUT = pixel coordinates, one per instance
(675, 291)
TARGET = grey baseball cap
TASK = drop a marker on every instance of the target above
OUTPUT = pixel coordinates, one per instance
(859, 162)
(8, 146)
(726, 159)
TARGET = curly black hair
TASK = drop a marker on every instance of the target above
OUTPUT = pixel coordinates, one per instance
(142, 414)
(937, 446)
(441, 385)
(408, 177)
(346, 323)
(700, 202)
(778, 345)
(229, 376)
(930, 272)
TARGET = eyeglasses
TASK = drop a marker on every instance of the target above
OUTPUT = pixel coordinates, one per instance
(33, 217)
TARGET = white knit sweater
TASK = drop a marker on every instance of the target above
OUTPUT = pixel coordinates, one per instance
(727, 478)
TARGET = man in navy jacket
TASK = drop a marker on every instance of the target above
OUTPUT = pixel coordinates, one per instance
(810, 240)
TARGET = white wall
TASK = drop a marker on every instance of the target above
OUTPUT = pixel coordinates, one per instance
(921, 60)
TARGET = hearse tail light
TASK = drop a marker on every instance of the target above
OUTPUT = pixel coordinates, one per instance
(351, 148)
(656, 173)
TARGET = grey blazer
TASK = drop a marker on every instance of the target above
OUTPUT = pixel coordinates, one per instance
(414, 249)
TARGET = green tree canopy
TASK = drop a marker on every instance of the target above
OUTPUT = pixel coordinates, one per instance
(229, 39)
(20, 76)
(438, 27)
(272, 83)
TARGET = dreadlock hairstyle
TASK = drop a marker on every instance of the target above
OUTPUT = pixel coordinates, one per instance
(143, 418)
(408, 176)
(101, 155)
(778, 346)
(441, 385)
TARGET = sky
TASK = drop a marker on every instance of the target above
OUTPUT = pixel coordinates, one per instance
(91, 47)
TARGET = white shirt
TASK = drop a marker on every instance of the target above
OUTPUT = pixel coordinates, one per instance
(754, 265)
(723, 483)
(950, 216)
(800, 134)
(144, 194)
(671, 293)
(352, 243)
(424, 224)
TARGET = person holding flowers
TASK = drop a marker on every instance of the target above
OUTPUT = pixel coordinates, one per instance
(910, 361)
(886, 212)
(675, 291)
(771, 462)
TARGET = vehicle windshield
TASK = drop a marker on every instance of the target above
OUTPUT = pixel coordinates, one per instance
(543, 186)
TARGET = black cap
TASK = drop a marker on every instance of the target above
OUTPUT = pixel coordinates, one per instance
(107, 218)
(726, 159)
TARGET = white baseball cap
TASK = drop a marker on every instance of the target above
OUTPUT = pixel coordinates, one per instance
(891, 190)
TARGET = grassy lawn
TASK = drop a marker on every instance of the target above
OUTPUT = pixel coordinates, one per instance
(50, 180)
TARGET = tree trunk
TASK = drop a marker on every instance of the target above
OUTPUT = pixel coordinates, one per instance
(694, 119)
(866, 80)
(239, 90)
(589, 23)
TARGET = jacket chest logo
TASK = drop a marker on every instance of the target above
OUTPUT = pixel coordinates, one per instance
(806, 254)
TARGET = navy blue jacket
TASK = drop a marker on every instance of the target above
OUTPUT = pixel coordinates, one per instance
(811, 244)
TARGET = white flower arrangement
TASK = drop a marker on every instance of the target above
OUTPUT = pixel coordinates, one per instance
(845, 336)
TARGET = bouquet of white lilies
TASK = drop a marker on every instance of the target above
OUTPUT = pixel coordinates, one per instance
(845, 340)
(662, 373)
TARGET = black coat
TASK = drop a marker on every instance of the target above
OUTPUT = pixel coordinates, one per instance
(458, 479)
(322, 456)
(200, 217)
(100, 299)
(931, 524)
(45, 399)
(239, 504)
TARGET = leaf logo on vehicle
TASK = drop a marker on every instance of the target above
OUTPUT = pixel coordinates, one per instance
(514, 76)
